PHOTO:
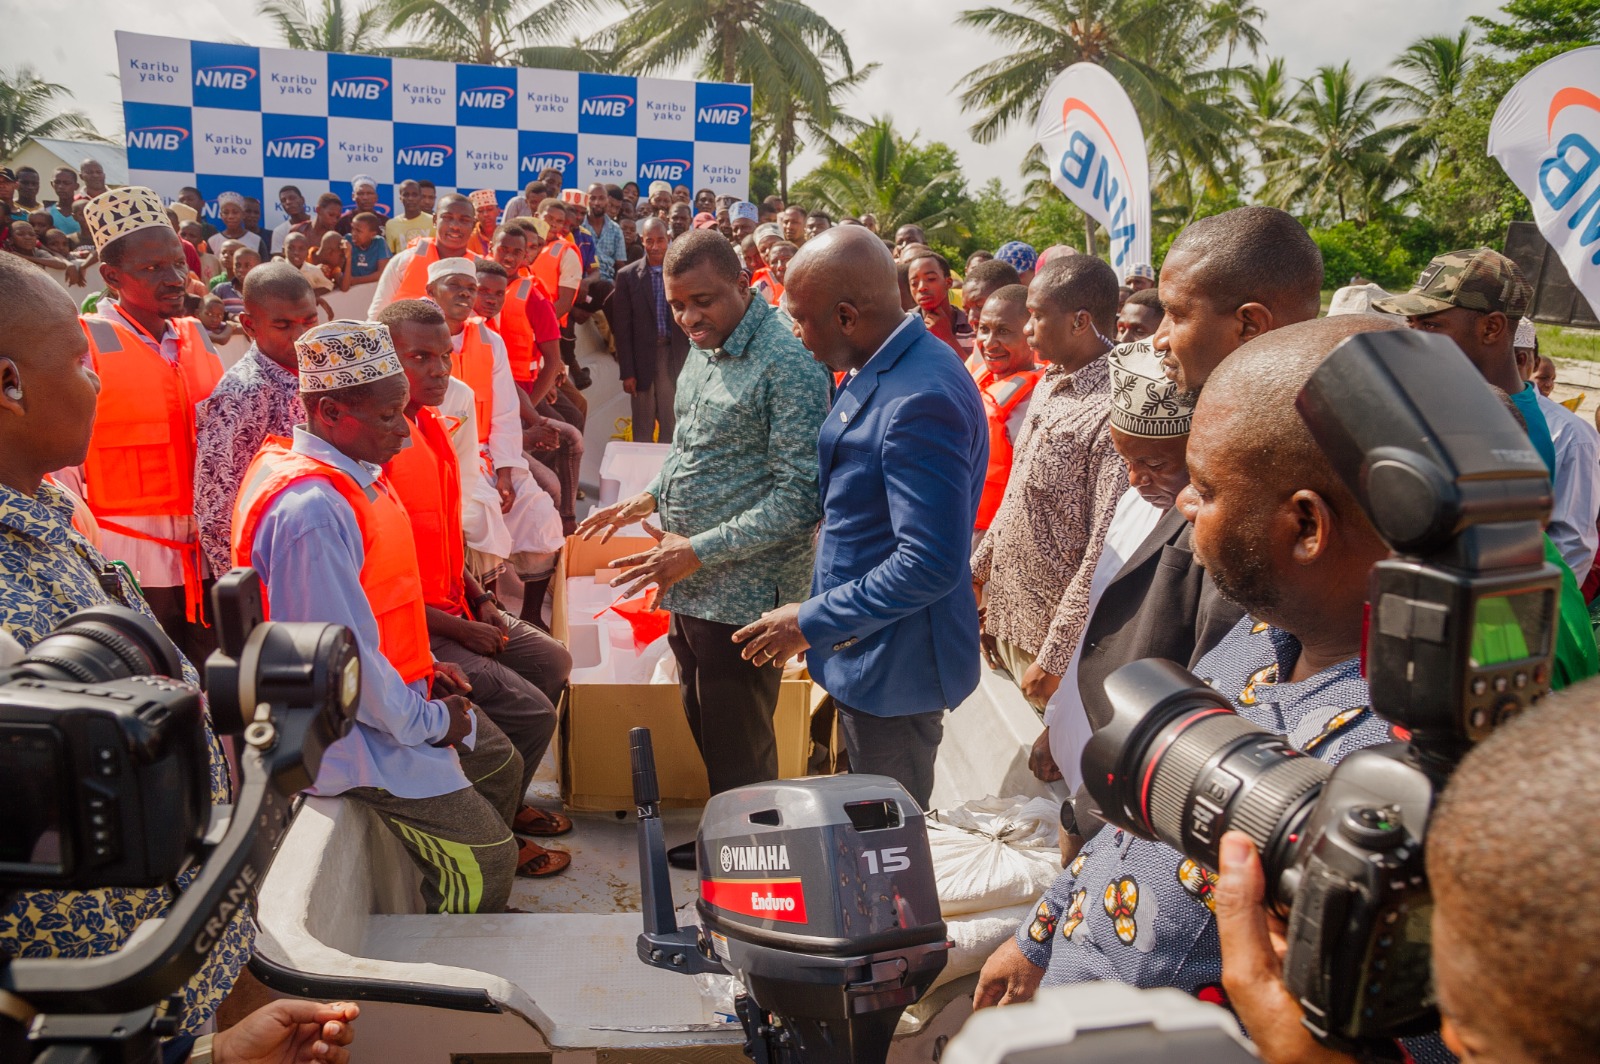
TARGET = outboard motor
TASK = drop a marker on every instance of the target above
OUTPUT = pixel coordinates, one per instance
(817, 894)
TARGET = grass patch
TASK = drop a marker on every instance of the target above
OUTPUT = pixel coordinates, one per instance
(1581, 344)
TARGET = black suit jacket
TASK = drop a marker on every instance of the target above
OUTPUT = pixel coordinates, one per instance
(1162, 604)
(633, 325)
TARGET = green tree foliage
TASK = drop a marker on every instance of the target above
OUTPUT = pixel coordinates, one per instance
(491, 32)
(333, 27)
(901, 182)
(31, 107)
(796, 62)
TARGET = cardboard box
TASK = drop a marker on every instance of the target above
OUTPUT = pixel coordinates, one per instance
(596, 717)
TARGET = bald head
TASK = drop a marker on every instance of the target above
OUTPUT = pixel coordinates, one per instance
(843, 292)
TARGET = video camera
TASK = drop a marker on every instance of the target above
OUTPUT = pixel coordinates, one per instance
(1459, 640)
(105, 782)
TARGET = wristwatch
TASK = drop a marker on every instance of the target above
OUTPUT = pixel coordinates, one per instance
(201, 1053)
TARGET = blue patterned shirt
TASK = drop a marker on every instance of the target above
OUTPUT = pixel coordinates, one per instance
(48, 572)
(609, 248)
(741, 479)
(658, 290)
(1139, 912)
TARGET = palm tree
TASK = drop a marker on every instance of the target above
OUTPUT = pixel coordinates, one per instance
(332, 28)
(30, 107)
(792, 123)
(491, 32)
(1430, 74)
(1338, 152)
(1235, 23)
(797, 62)
(879, 172)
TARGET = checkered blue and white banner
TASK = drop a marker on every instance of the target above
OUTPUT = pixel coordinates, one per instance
(233, 117)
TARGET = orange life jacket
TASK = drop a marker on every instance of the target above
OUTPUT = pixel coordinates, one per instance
(389, 572)
(547, 267)
(763, 281)
(475, 367)
(428, 480)
(478, 244)
(1001, 397)
(414, 283)
(141, 452)
(514, 328)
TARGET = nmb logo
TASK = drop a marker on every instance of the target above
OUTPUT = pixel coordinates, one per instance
(492, 97)
(664, 170)
(1093, 163)
(298, 147)
(432, 156)
(561, 161)
(1569, 176)
(613, 106)
(232, 77)
(722, 114)
(359, 88)
(158, 138)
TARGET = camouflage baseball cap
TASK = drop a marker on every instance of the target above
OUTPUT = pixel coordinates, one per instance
(1475, 279)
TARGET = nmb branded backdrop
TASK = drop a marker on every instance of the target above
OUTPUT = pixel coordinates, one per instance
(230, 117)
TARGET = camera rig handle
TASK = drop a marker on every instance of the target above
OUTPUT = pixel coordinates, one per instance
(662, 944)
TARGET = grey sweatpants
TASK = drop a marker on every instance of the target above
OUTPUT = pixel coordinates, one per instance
(461, 841)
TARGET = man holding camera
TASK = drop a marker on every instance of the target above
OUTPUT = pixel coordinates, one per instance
(1511, 979)
(1287, 542)
(48, 571)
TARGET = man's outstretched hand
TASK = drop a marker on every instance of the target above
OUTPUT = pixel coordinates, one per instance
(289, 1032)
(1252, 962)
(612, 519)
(670, 560)
(1008, 977)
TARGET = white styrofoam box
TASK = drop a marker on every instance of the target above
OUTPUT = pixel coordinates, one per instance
(627, 468)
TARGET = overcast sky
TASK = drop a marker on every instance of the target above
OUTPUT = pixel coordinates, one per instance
(922, 54)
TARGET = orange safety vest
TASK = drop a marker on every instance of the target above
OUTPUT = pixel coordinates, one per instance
(547, 267)
(478, 244)
(390, 575)
(1001, 397)
(514, 328)
(414, 283)
(428, 480)
(142, 450)
(475, 367)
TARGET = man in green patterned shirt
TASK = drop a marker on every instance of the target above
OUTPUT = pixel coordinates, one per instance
(736, 497)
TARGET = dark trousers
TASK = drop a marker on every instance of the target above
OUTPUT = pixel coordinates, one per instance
(193, 638)
(729, 703)
(902, 748)
(517, 688)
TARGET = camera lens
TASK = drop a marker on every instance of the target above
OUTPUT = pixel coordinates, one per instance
(104, 644)
(1176, 764)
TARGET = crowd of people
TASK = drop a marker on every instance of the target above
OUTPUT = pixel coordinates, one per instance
(897, 467)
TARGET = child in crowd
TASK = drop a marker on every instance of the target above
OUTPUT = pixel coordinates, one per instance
(56, 242)
(230, 209)
(214, 318)
(630, 235)
(296, 247)
(367, 252)
(329, 256)
(231, 291)
(195, 234)
(229, 249)
(24, 243)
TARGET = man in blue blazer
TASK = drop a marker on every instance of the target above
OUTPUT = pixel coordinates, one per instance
(891, 627)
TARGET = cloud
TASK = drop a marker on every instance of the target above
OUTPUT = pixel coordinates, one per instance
(923, 54)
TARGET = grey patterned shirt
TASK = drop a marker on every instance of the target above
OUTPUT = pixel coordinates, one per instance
(255, 398)
(741, 478)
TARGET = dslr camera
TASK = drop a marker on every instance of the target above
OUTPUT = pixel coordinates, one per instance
(105, 782)
(1459, 640)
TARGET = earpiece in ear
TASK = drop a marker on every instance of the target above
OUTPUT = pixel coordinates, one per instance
(14, 393)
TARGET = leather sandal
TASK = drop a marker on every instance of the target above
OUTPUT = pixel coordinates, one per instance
(540, 823)
(536, 862)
